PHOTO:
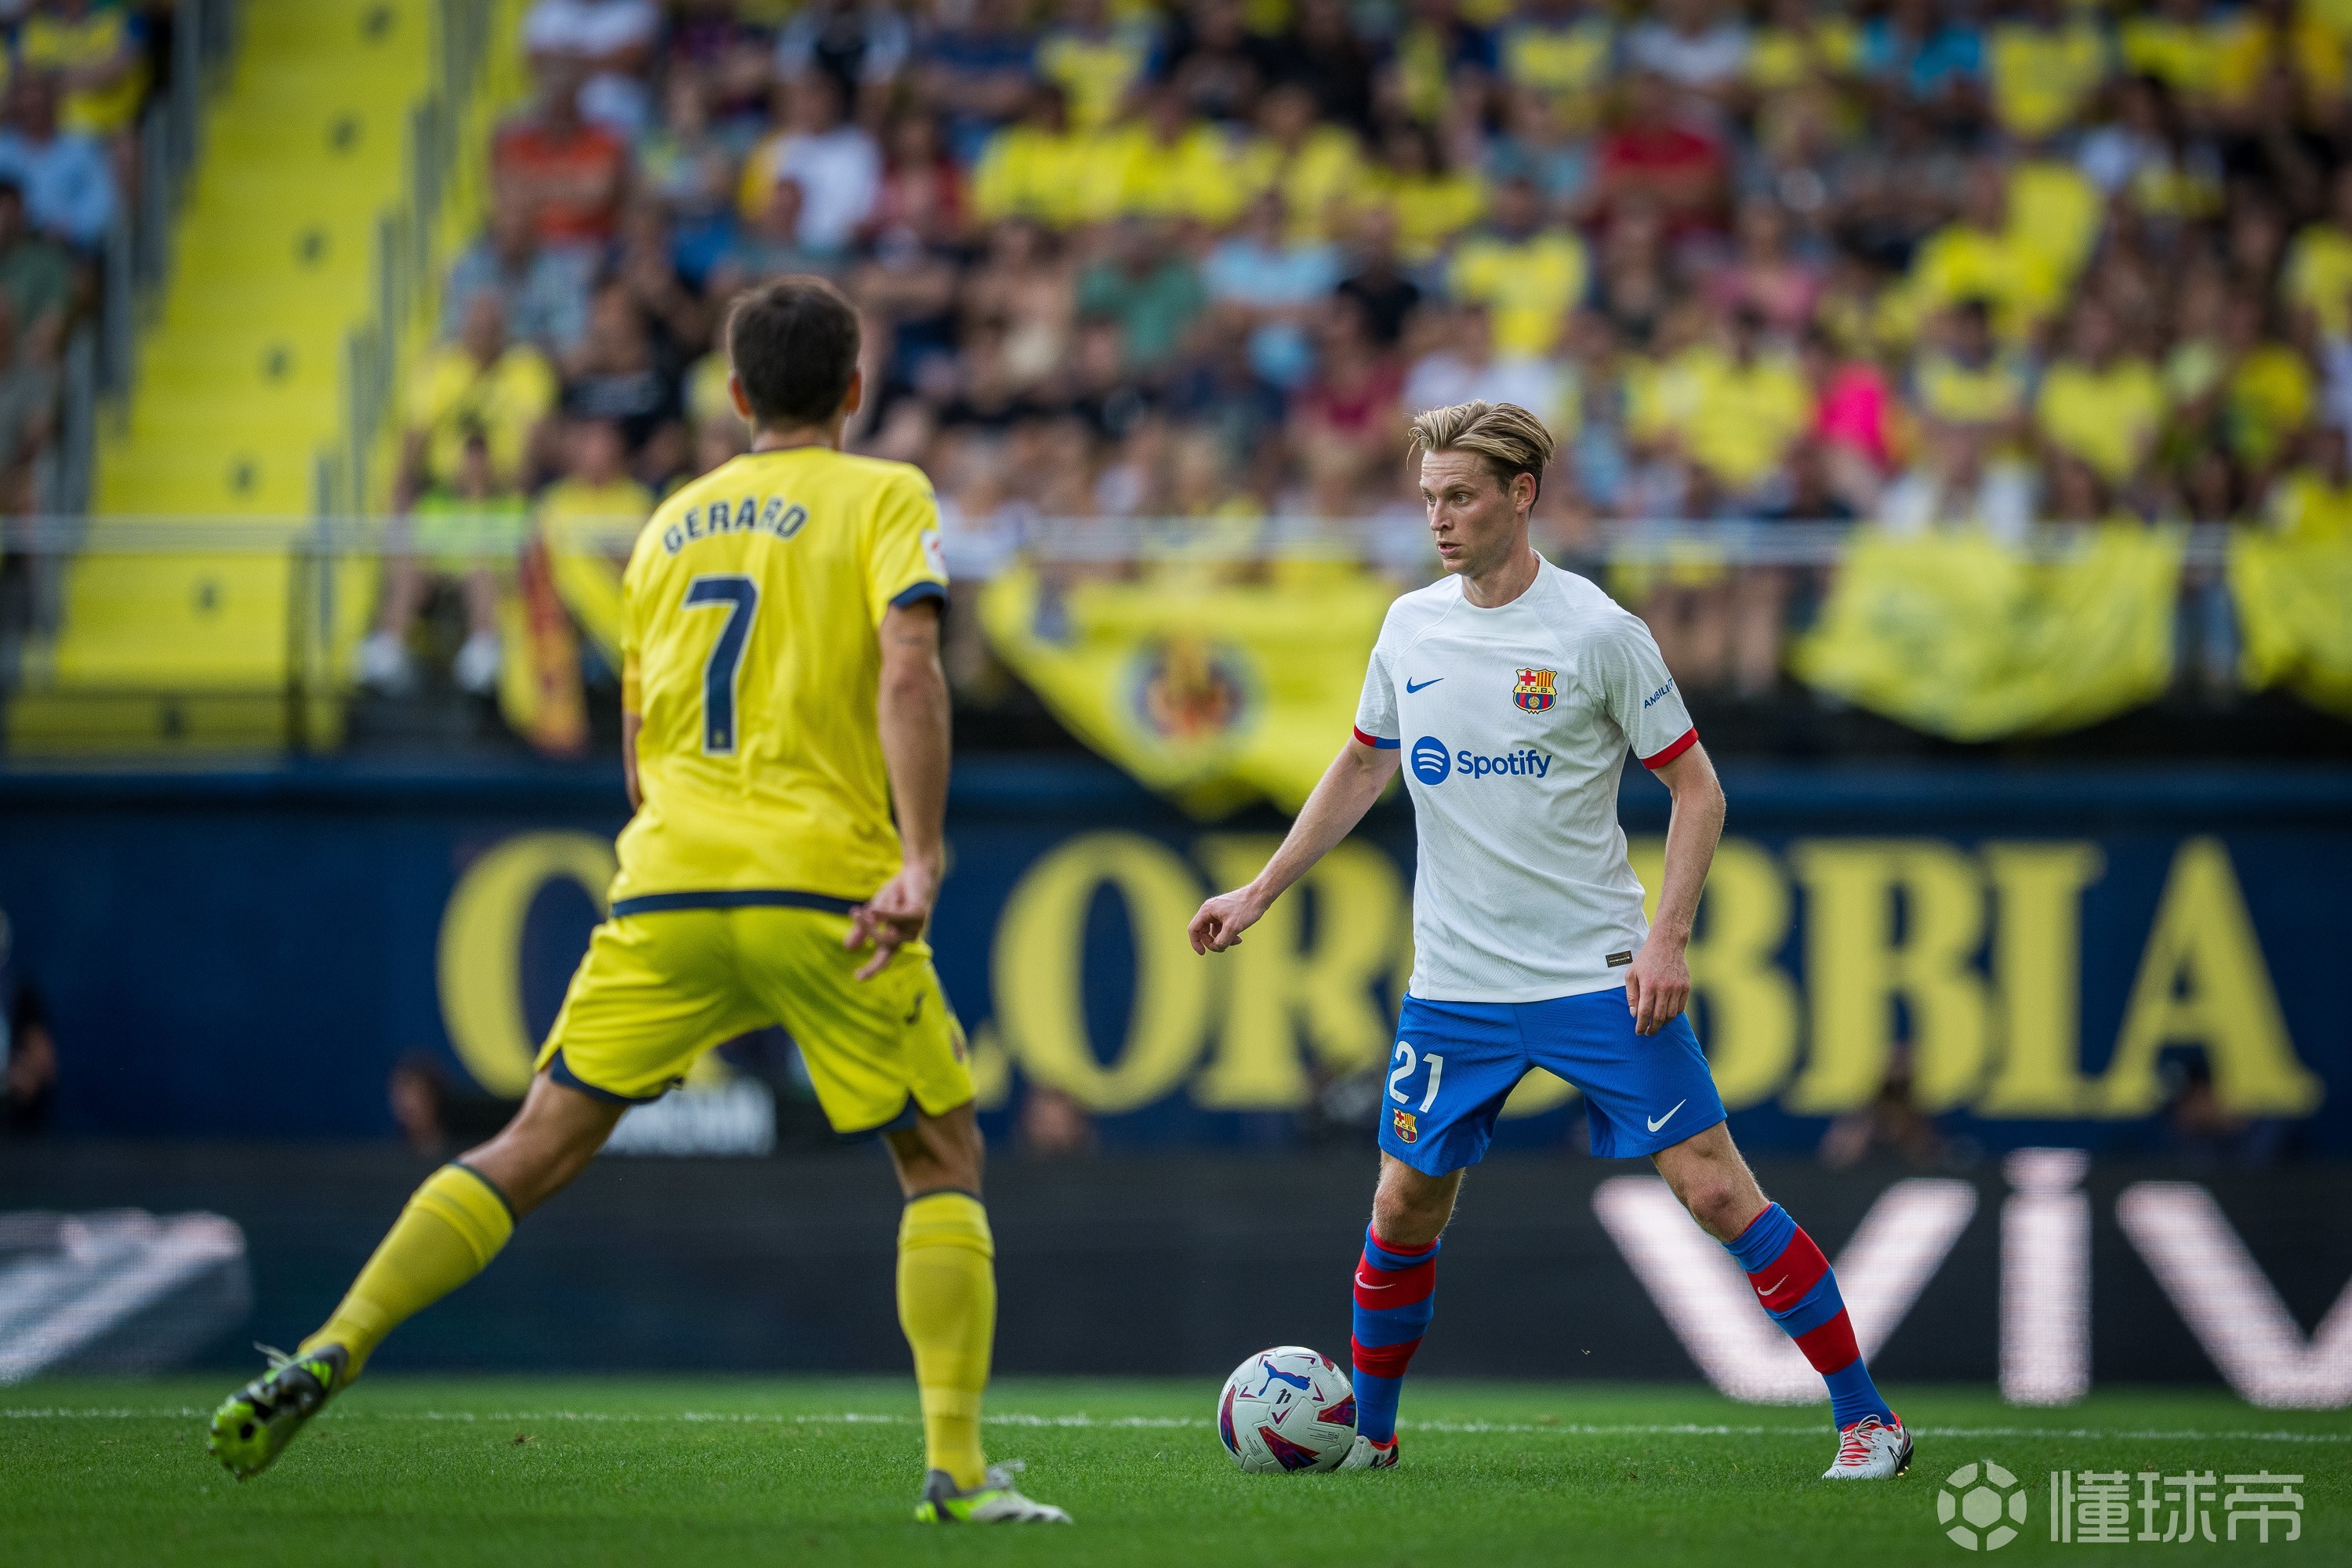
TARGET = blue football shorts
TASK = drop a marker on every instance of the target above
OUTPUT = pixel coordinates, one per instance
(1456, 1062)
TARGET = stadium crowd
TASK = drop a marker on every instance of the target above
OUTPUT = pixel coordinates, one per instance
(1924, 262)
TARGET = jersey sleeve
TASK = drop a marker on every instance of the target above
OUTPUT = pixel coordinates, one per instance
(1376, 709)
(1640, 693)
(904, 561)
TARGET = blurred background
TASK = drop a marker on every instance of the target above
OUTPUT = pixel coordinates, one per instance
(1960, 391)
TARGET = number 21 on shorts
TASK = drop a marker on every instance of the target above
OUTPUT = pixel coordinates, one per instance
(1405, 1063)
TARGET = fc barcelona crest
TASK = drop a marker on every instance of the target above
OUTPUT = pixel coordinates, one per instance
(1403, 1122)
(1534, 691)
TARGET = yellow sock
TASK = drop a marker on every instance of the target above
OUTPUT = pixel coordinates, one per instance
(947, 1304)
(450, 1230)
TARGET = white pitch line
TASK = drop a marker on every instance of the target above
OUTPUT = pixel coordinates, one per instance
(1161, 1423)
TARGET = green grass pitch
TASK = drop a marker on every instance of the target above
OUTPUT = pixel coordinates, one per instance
(515, 1472)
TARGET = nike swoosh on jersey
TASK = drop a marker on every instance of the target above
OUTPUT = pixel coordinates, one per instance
(1656, 1122)
(1409, 687)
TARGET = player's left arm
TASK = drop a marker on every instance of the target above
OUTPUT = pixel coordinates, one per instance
(1658, 986)
(633, 722)
(914, 719)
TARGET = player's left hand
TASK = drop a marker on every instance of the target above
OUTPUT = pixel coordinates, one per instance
(1658, 986)
(894, 916)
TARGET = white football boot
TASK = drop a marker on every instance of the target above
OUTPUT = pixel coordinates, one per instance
(1366, 1454)
(994, 1501)
(1871, 1451)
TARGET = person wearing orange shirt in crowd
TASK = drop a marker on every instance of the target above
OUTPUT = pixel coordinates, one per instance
(570, 173)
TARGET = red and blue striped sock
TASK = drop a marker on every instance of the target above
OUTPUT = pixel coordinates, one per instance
(1396, 1295)
(1799, 1291)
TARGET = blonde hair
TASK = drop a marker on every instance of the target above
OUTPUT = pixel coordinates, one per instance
(1512, 440)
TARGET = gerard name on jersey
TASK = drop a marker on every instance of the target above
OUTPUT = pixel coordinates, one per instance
(778, 517)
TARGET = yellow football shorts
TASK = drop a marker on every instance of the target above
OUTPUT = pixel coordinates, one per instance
(658, 989)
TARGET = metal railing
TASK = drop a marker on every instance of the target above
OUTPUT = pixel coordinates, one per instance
(407, 257)
(136, 263)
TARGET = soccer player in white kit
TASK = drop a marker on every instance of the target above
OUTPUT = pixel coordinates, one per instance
(1512, 691)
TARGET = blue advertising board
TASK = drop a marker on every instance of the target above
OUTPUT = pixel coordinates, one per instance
(2027, 956)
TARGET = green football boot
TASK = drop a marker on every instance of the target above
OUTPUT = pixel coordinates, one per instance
(993, 1501)
(254, 1425)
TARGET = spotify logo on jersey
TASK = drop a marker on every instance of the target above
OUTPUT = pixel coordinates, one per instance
(1430, 761)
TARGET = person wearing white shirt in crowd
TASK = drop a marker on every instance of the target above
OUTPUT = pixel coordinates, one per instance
(835, 164)
(1467, 370)
(610, 41)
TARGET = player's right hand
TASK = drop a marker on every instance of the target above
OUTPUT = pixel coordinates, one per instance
(1223, 919)
(893, 917)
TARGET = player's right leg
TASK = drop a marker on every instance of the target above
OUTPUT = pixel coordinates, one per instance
(451, 1228)
(1453, 1064)
(652, 993)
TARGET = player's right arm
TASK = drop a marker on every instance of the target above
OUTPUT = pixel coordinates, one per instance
(1347, 790)
(1349, 786)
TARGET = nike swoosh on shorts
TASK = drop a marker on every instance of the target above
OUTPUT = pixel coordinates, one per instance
(1656, 1122)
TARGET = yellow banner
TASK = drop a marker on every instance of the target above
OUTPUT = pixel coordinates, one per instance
(2294, 616)
(1215, 695)
(1955, 635)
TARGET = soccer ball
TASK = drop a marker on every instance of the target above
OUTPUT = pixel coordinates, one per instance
(1290, 1408)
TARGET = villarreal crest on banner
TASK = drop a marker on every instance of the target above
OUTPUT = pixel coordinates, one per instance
(1534, 691)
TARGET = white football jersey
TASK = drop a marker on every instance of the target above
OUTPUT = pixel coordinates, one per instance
(1515, 723)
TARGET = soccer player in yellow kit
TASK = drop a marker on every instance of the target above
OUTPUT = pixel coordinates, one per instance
(781, 693)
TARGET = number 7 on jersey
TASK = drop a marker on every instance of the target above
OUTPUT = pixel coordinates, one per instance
(742, 595)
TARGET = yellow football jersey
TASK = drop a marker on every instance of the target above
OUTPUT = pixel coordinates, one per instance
(748, 649)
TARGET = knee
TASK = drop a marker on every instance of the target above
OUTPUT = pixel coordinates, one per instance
(1713, 1201)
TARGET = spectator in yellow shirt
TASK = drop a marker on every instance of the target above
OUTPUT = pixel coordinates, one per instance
(1750, 405)
(1318, 167)
(2318, 273)
(2269, 393)
(1966, 381)
(589, 519)
(99, 54)
(2045, 68)
(1562, 49)
(1035, 168)
(1527, 277)
(1800, 42)
(2099, 405)
(468, 533)
(1983, 255)
(481, 385)
(1171, 165)
(1095, 60)
(1432, 202)
(2312, 503)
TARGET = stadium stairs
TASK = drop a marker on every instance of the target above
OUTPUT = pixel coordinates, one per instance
(200, 615)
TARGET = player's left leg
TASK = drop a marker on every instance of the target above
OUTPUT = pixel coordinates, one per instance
(1655, 1097)
(1799, 1289)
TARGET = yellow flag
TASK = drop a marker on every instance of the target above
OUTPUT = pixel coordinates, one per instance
(1957, 636)
(1216, 696)
(2294, 616)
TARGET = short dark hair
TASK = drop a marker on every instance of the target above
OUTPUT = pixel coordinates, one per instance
(794, 342)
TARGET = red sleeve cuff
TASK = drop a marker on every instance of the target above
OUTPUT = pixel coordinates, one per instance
(1658, 760)
(1374, 741)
